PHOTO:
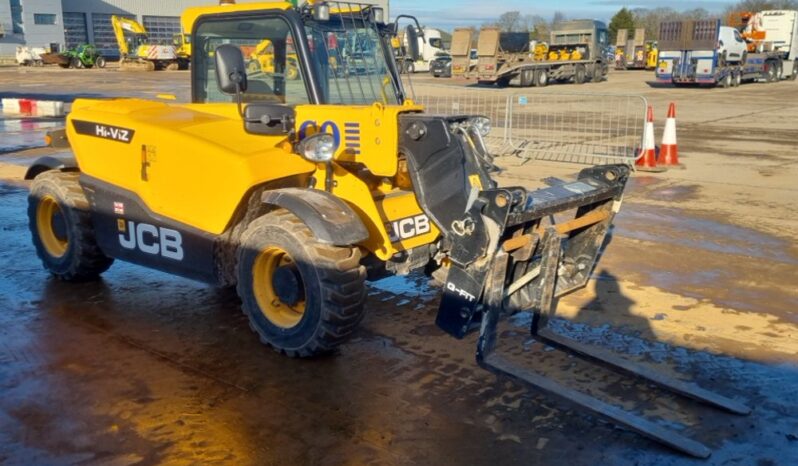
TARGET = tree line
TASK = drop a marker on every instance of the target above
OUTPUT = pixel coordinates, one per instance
(539, 27)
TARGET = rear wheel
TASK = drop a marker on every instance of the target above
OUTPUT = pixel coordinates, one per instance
(737, 79)
(726, 81)
(770, 74)
(580, 74)
(60, 223)
(541, 78)
(100, 62)
(302, 297)
(527, 78)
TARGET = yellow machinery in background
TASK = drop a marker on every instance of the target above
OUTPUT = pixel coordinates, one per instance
(137, 52)
(652, 53)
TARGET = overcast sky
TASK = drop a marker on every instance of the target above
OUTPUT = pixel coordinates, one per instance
(448, 14)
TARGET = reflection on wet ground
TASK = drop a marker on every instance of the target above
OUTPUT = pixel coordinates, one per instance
(143, 367)
(20, 133)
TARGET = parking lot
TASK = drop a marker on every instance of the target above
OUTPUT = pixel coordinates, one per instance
(699, 281)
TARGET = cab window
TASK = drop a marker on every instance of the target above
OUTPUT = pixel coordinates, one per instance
(273, 71)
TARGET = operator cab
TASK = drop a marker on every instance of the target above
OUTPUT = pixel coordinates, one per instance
(328, 53)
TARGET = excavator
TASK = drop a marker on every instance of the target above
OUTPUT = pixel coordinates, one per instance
(138, 53)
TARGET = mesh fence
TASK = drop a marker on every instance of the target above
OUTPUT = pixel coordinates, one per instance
(586, 128)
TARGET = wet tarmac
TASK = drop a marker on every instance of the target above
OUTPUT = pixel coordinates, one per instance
(145, 368)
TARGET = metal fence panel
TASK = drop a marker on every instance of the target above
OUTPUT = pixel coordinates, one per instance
(450, 100)
(587, 128)
(577, 127)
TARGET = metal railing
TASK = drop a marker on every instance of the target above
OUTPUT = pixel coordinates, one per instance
(577, 127)
(586, 128)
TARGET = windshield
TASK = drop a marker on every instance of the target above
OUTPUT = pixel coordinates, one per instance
(351, 57)
(266, 42)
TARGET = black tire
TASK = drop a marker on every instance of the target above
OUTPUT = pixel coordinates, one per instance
(737, 79)
(580, 74)
(61, 227)
(794, 71)
(598, 72)
(100, 62)
(325, 283)
(779, 71)
(527, 78)
(726, 82)
(410, 67)
(503, 81)
(770, 75)
(77, 64)
(541, 78)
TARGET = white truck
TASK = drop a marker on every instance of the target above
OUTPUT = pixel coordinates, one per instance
(430, 46)
(704, 52)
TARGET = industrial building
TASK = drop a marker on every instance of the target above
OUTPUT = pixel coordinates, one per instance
(60, 24)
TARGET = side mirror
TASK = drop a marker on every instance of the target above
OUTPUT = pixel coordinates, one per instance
(231, 75)
(411, 37)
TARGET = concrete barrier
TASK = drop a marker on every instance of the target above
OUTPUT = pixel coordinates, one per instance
(31, 107)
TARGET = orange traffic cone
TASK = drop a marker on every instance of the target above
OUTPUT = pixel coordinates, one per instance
(669, 152)
(647, 162)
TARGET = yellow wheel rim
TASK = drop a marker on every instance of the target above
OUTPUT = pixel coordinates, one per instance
(51, 227)
(293, 72)
(273, 308)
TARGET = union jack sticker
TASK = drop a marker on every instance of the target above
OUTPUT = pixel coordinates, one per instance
(119, 208)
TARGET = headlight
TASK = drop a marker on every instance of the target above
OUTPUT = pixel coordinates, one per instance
(482, 124)
(317, 148)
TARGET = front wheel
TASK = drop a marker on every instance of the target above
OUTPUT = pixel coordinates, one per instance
(302, 297)
(61, 227)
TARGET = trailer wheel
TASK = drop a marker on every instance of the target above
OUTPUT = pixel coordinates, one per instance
(61, 227)
(580, 74)
(541, 78)
(302, 297)
(726, 81)
(527, 78)
(770, 74)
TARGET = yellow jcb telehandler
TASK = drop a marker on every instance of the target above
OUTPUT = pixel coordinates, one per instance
(297, 191)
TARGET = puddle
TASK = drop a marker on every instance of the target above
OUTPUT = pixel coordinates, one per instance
(672, 226)
(19, 133)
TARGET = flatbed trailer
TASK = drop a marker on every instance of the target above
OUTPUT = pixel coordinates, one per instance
(689, 55)
(504, 64)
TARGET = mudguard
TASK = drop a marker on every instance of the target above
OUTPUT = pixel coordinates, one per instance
(330, 219)
(43, 164)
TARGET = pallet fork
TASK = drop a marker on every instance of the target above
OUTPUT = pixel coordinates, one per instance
(544, 311)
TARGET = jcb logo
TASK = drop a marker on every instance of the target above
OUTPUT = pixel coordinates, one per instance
(409, 227)
(150, 239)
